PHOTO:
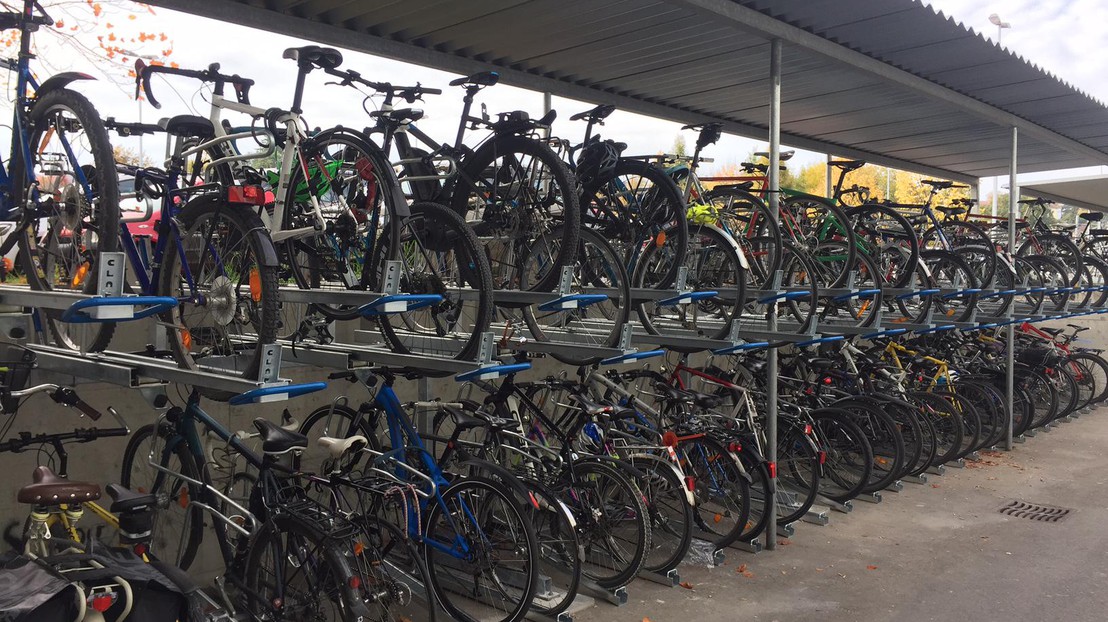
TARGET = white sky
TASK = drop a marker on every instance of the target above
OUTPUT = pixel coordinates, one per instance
(1066, 37)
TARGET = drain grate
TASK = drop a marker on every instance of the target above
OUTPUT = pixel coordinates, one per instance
(1035, 511)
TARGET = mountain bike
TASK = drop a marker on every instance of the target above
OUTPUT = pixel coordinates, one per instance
(59, 183)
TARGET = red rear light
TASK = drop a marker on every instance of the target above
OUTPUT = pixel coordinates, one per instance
(807, 429)
(355, 582)
(669, 439)
(734, 446)
(534, 501)
(249, 195)
(822, 457)
(773, 470)
(140, 549)
(690, 483)
(102, 603)
(827, 380)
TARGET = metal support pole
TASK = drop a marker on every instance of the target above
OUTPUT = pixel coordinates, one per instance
(547, 104)
(1013, 208)
(830, 187)
(996, 191)
(771, 367)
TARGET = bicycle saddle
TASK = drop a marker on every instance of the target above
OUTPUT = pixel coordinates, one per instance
(324, 58)
(783, 156)
(188, 126)
(399, 116)
(277, 440)
(589, 406)
(951, 211)
(127, 500)
(1052, 331)
(49, 489)
(600, 112)
(337, 447)
(1077, 329)
(484, 78)
(938, 184)
(1091, 216)
(746, 185)
(848, 165)
(464, 421)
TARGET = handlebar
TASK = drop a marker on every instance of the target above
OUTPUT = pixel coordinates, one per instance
(409, 94)
(64, 396)
(211, 74)
(132, 129)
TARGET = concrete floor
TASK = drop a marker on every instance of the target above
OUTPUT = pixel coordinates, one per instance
(936, 551)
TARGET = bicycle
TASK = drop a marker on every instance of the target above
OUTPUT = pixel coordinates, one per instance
(340, 216)
(284, 554)
(59, 183)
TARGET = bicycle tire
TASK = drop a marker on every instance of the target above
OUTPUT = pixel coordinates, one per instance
(849, 455)
(364, 204)
(238, 311)
(723, 494)
(714, 265)
(439, 254)
(588, 505)
(808, 217)
(288, 536)
(893, 244)
(949, 271)
(1098, 368)
(886, 442)
(948, 427)
(102, 217)
(971, 421)
(1056, 246)
(671, 514)
(560, 550)
(597, 266)
(473, 498)
(748, 219)
(798, 472)
(168, 500)
(477, 197)
(964, 234)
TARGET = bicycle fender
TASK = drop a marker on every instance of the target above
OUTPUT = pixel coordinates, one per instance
(672, 467)
(734, 245)
(500, 473)
(622, 465)
(60, 81)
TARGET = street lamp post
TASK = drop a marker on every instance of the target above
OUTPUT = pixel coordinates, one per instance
(1000, 26)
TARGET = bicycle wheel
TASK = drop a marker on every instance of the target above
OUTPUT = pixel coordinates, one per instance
(177, 528)
(1098, 370)
(960, 234)
(512, 191)
(76, 211)
(971, 421)
(948, 426)
(1067, 389)
(293, 572)
(639, 205)
(723, 493)
(713, 264)
(438, 254)
(949, 272)
(755, 466)
(885, 441)
(670, 511)
(221, 272)
(910, 308)
(908, 423)
(1058, 247)
(809, 220)
(397, 568)
(560, 550)
(751, 224)
(855, 310)
(480, 553)
(849, 457)
(888, 239)
(1083, 378)
(611, 521)
(798, 472)
(598, 267)
(345, 180)
(1054, 280)
(1098, 281)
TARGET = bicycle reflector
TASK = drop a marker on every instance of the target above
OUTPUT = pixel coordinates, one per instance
(772, 470)
(246, 195)
(669, 439)
(101, 602)
(734, 446)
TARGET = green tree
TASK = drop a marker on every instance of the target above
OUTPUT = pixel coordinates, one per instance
(679, 147)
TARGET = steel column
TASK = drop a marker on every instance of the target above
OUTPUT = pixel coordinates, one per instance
(1013, 208)
(771, 367)
(830, 188)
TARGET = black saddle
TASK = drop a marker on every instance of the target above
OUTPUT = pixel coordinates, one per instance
(399, 116)
(463, 421)
(277, 440)
(589, 406)
(127, 500)
(314, 56)
(1091, 216)
(784, 155)
(951, 211)
(188, 126)
(482, 79)
(848, 165)
(595, 114)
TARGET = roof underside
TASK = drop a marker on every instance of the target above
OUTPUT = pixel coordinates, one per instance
(1087, 192)
(888, 81)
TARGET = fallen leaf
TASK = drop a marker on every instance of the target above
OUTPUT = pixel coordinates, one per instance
(871, 567)
(935, 486)
(646, 620)
(686, 585)
(742, 568)
(784, 542)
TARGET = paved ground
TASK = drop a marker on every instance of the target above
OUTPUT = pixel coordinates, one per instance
(936, 551)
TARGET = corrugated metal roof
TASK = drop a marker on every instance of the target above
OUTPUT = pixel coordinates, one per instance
(890, 81)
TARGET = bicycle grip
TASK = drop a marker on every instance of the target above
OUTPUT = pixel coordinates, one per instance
(142, 78)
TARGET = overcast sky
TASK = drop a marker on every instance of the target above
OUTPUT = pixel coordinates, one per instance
(1066, 37)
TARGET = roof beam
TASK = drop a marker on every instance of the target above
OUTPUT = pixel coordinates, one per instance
(763, 25)
(264, 19)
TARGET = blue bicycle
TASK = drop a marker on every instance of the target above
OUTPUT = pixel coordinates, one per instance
(59, 184)
(479, 551)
